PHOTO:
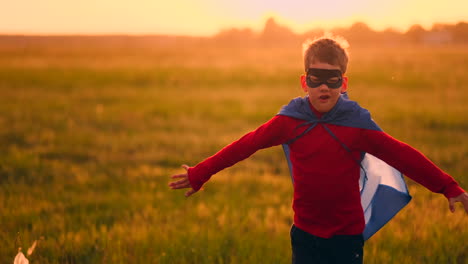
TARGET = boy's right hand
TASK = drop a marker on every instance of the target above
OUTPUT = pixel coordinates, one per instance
(183, 182)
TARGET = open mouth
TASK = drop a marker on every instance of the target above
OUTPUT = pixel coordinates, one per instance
(324, 97)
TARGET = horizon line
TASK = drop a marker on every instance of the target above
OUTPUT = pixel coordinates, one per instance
(220, 30)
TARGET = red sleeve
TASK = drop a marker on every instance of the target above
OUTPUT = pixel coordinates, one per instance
(271, 133)
(410, 162)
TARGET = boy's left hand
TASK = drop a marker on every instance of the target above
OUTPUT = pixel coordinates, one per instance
(462, 198)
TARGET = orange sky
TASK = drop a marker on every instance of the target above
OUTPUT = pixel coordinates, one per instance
(207, 17)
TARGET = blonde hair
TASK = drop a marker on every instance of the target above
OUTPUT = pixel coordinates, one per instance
(326, 49)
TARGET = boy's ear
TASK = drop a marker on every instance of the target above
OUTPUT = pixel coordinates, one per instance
(344, 86)
(304, 83)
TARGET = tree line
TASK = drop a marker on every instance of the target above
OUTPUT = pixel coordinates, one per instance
(358, 32)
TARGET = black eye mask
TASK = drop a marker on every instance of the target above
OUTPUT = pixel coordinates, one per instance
(331, 78)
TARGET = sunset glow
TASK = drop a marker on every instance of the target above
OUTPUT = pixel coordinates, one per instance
(207, 17)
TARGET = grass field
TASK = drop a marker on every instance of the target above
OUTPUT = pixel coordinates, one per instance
(91, 131)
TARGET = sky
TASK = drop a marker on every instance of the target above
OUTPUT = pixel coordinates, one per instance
(207, 17)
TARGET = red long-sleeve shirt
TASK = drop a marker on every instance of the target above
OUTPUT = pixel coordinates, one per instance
(326, 179)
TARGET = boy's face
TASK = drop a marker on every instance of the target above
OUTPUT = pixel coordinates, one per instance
(326, 85)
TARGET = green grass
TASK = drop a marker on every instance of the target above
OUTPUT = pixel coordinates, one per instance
(90, 136)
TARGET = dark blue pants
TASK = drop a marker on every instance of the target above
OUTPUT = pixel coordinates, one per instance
(310, 249)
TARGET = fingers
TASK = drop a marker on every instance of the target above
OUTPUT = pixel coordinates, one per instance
(184, 183)
(177, 176)
(190, 192)
(452, 205)
(462, 198)
(464, 201)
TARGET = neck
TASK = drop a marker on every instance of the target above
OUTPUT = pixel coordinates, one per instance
(316, 112)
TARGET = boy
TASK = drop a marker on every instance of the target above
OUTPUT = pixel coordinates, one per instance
(324, 155)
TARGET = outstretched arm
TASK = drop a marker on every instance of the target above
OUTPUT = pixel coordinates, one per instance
(182, 182)
(414, 165)
(272, 133)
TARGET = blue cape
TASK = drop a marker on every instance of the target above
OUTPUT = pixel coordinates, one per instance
(383, 189)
